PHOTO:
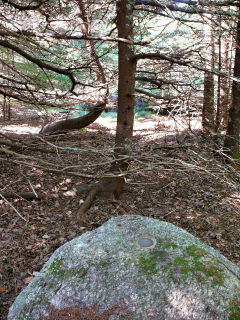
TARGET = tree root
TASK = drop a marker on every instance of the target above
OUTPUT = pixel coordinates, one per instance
(107, 188)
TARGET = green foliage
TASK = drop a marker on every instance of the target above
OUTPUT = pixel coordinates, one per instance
(236, 155)
(26, 226)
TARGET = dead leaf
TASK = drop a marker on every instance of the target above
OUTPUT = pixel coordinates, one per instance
(27, 280)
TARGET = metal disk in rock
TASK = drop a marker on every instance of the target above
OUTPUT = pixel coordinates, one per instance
(135, 268)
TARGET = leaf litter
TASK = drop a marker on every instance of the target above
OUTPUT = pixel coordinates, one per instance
(176, 175)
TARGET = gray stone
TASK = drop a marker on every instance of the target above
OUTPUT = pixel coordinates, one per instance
(133, 268)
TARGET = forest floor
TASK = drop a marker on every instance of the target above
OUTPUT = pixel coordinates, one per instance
(177, 175)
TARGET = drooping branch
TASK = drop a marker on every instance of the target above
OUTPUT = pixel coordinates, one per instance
(186, 63)
(34, 100)
(160, 56)
(226, 3)
(74, 123)
(155, 96)
(95, 62)
(59, 36)
(84, 121)
(192, 9)
(40, 63)
(160, 82)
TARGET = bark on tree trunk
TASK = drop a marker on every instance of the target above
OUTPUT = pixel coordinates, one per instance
(231, 143)
(126, 89)
(225, 85)
(126, 79)
(208, 111)
(219, 84)
(112, 187)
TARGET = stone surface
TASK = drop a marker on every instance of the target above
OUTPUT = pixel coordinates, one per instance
(133, 268)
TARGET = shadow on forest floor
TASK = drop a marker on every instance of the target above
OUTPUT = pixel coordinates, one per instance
(175, 176)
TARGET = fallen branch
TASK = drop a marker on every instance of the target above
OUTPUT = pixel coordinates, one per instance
(20, 155)
(22, 195)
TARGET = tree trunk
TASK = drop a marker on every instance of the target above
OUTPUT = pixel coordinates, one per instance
(225, 85)
(219, 84)
(126, 89)
(231, 143)
(112, 187)
(208, 111)
(126, 79)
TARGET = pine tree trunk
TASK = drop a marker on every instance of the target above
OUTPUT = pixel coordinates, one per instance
(231, 143)
(225, 87)
(219, 83)
(126, 79)
(112, 187)
(208, 111)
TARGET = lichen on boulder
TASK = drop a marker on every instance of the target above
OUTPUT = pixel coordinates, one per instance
(134, 268)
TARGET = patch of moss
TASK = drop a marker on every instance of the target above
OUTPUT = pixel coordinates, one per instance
(236, 156)
(194, 266)
(235, 310)
(209, 268)
(183, 263)
(55, 268)
(147, 265)
(195, 252)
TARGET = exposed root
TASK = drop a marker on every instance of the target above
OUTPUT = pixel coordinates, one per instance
(107, 188)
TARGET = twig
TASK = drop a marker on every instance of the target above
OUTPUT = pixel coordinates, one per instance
(98, 164)
(49, 143)
(9, 203)
(32, 188)
(23, 145)
(20, 155)
(187, 145)
(60, 171)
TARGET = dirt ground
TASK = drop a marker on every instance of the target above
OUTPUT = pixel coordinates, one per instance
(177, 175)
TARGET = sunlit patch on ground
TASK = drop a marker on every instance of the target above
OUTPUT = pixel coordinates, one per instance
(19, 129)
(158, 185)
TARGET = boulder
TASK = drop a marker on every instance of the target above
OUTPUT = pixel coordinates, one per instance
(134, 268)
